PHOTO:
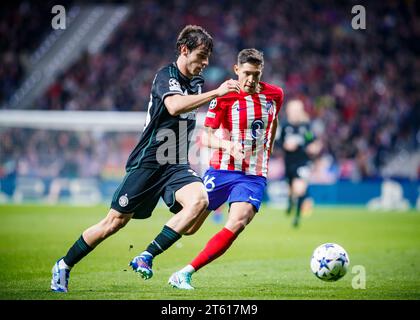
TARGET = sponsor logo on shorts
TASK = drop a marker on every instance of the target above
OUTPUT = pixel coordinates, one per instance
(253, 199)
(123, 201)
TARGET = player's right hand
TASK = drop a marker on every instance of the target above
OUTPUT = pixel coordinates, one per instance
(228, 86)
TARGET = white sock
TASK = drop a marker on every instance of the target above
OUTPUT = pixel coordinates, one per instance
(188, 269)
(146, 253)
(63, 265)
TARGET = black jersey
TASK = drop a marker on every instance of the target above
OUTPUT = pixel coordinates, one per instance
(300, 133)
(165, 138)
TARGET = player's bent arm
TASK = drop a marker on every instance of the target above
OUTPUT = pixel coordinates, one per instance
(177, 104)
(273, 133)
(211, 140)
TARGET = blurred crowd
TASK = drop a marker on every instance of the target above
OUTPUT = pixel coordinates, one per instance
(67, 154)
(359, 86)
(23, 26)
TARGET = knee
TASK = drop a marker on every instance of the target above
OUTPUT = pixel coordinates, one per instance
(299, 192)
(238, 225)
(299, 189)
(197, 205)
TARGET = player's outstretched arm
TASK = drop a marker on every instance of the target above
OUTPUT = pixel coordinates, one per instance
(177, 104)
(211, 140)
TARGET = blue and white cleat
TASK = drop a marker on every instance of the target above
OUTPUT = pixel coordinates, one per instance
(181, 280)
(60, 278)
(142, 264)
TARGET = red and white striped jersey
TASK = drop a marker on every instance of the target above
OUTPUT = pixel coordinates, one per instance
(247, 119)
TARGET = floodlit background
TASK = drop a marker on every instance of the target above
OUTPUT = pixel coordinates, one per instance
(359, 86)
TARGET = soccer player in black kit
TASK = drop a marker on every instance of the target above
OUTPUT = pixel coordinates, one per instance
(299, 145)
(158, 165)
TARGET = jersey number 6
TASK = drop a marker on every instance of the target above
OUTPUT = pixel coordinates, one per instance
(209, 183)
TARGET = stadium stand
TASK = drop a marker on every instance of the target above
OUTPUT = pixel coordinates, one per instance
(359, 86)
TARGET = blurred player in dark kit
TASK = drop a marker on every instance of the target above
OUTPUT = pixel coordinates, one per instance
(300, 145)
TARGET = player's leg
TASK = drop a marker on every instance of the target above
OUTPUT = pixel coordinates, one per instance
(240, 215)
(245, 199)
(89, 239)
(192, 201)
(198, 223)
(112, 223)
(291, 198)
(217, 186)
(290, 174)
(299, 189)
(137, 189)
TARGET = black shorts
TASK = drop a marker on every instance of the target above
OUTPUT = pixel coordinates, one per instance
(298, 171)
(141, 189)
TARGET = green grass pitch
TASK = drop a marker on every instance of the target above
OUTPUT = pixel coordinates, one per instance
(269, 260)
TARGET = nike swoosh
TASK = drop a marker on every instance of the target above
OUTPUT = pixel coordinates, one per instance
(239, 109)
(251, 198)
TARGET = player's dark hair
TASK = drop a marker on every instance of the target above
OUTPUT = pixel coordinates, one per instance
(193, 37)
(252, 56)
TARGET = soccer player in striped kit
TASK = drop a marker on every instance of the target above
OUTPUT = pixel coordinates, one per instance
(238, 169)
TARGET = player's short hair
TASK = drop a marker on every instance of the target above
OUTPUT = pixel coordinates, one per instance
(193, 37)
(252, 56)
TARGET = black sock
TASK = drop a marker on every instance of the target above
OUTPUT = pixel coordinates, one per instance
(79, 250)
(290, 204)
(163, 241)
(299, 205)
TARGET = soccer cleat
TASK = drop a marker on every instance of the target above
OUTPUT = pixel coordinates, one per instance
(60, 278)
(142, 264)
(181, 280)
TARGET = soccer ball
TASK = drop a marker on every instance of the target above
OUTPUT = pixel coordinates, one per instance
(329, 262)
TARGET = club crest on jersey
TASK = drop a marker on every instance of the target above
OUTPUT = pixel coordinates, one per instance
(123, 201)
(257, 128)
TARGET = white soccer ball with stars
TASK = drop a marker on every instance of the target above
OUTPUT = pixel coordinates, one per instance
(330, 262)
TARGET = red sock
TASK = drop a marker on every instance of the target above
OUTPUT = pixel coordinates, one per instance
(216, 246)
